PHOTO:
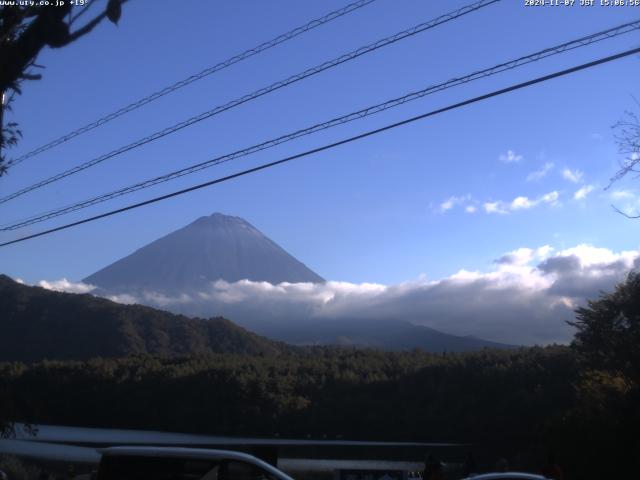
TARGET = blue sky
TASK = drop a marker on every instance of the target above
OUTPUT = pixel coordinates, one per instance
(372, 211)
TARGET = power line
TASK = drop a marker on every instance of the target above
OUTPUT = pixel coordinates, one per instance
(454, 106)
(564, 47)
(258, 93)
(195, 77)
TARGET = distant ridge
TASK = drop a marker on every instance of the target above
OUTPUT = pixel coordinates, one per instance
(185, 263)
(37, 324)
(217, 247)
(394, 335)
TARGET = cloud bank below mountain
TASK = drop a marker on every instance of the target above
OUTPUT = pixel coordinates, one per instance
(524, 298)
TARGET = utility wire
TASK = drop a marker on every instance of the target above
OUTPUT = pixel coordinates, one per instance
(264, 166)
(195, 77)
(258, 93)
(555, 50)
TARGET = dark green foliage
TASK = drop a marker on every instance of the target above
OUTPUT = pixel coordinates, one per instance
(607, 343)
(581, 401)
(16, 469)
(608, 336)
(516, 403)
(37, 324)
(353, 393)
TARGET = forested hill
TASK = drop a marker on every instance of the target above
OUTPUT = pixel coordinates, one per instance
(37, 324)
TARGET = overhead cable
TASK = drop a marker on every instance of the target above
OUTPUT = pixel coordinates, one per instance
(258, 93)
(369, 133)
(194, 78)
(374, 109)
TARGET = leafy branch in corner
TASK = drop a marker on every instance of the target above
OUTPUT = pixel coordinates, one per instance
(24, 32)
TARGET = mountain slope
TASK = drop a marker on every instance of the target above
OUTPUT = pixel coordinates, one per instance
(182, 265)
(36, 324)
(209, 249)
(383, 334)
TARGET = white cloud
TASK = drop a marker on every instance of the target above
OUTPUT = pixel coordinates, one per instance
(510, 157)
(495, 207)
(589, 256)
(626, 201)
(540, 174)
(521, 203)
(524, 256)
(551, 198)
(543, 252)
(123, 298)
(447, 204)
(64, 285)
(525, 297)
(582, 192)
(622, 195)
(498, 207)
(451, 202)
(574, 176)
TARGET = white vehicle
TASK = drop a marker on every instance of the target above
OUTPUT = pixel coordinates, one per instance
(168, 463)
(507, 476)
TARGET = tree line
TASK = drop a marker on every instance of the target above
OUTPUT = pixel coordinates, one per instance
(581, 401)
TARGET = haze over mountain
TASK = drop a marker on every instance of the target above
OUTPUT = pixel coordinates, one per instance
(189, 271)
(37, 324)
(218, 247)
(394, 335)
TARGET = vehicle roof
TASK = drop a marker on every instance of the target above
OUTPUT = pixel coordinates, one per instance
(508, 475)
(176, 452)
(198, 453)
